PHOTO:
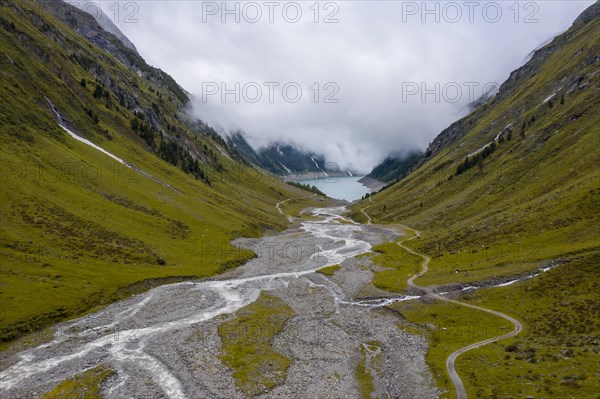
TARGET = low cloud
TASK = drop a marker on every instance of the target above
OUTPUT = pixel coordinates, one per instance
(387, 76)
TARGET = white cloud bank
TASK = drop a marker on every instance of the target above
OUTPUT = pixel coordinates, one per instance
(377, 53)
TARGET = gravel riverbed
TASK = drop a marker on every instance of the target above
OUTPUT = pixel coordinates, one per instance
(165, 343)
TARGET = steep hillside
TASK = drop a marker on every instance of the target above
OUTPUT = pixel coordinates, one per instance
(395, 167)
(507, 203)
(159, 199)
(520, 170)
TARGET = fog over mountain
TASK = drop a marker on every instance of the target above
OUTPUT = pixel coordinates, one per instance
(375, 61)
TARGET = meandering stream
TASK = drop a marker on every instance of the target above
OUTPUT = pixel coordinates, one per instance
(165, 343)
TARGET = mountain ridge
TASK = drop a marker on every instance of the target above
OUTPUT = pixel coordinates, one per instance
(283, 159)
(105, 21)
(395, 166)
(538, 112)
(80, 228)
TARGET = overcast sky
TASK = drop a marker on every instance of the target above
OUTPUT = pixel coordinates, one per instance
(371, 61)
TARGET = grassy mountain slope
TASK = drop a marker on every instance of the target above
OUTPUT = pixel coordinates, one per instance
(533, 190)
(508, 189)
(79, 229)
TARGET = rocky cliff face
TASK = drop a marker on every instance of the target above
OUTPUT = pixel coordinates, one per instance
(116, 45)
(106, 21)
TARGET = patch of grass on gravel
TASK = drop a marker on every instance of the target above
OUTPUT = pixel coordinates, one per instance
(257, 366)
(364, 379)
(82, 386)
(328, 271)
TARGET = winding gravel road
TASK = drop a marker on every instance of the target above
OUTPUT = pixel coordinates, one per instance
(451, 361)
